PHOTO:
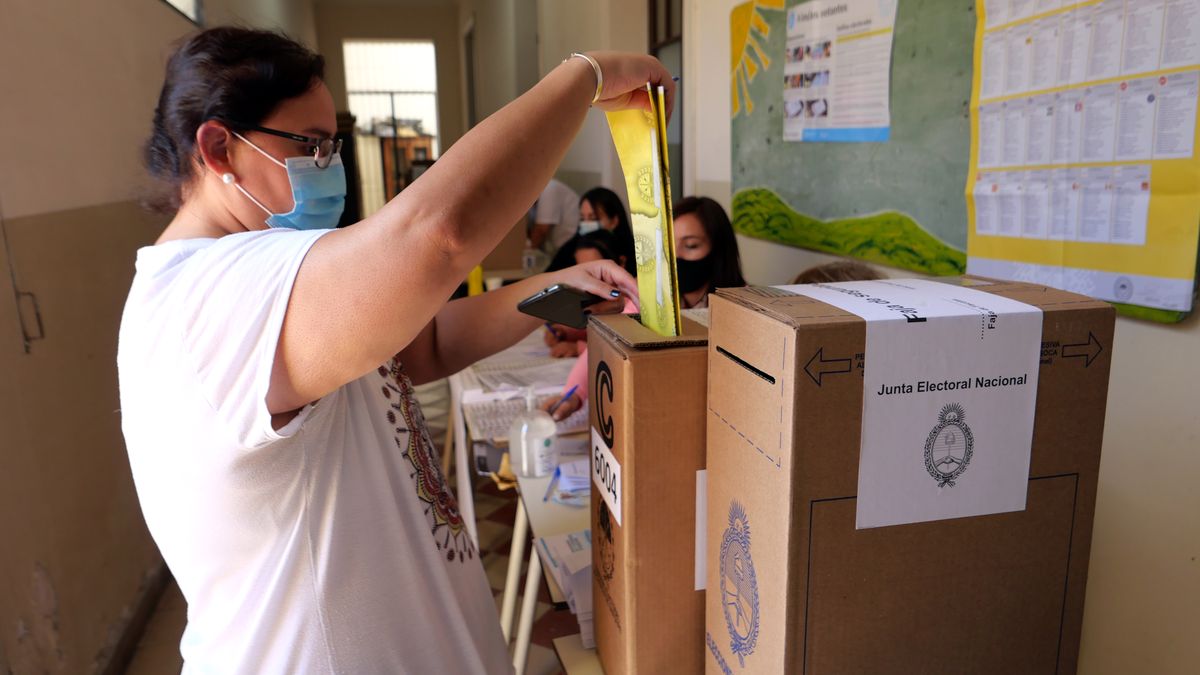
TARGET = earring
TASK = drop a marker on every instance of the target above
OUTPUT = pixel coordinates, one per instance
(228, 178)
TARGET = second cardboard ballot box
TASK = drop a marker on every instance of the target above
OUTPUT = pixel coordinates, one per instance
(647, 409)
(797, 583)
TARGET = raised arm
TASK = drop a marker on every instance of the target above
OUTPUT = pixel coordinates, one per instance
(365, 292)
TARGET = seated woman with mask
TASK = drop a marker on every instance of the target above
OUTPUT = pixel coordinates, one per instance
(706, 251)
(707, 258)
(599, 209)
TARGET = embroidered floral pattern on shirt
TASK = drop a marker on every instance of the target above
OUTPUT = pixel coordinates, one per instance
(412, 438)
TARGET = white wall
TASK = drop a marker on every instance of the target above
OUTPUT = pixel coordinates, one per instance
(349, 20)
(496, 60)
(294, 17)
(706, 98)
(1142, 611)
(525, 39)
(1143, 601)
(503, 64)
(566, 26)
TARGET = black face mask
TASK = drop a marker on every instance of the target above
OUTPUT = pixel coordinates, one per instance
(694, 274)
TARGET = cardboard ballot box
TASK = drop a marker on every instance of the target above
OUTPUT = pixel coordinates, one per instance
(802, 580)
(647, 411)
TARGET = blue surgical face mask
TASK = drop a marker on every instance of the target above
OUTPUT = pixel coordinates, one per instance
(319, 194)
(588, 226)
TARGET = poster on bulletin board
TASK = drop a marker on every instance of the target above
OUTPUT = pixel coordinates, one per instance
(1083, 171)
(842, 94)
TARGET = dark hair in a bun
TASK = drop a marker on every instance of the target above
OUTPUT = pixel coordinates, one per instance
(237, 75)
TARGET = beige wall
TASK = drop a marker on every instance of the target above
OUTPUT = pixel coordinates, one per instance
(79, 79)
(511, 57)
(496, 79)
(344, 20)
(78, 558)
(294, 17)
(82, 99)
(1143, 602)
(525, 44)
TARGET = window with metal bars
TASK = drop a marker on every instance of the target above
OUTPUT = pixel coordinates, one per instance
(391, 87)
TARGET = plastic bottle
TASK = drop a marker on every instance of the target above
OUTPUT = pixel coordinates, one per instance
(529, 258)
(531, 440)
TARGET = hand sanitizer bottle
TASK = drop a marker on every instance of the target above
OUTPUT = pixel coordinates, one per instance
(531, 440)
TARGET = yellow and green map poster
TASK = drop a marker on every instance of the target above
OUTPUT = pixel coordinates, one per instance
(899, 202)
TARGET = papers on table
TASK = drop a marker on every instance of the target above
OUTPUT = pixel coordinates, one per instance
(568, 558)
(571, 484)
(525, 373)
(490, 414)
(574, 475)
(526, 364)
(492, 396)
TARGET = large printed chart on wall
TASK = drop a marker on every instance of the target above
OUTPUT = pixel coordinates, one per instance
(1083, 171)
(898, 202)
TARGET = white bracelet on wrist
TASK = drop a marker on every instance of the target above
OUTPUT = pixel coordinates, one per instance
(595, 69)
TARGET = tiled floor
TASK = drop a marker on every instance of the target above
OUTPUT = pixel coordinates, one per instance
(494, 512)
(158, 651)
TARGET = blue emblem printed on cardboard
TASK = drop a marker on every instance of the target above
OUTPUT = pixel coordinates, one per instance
(739, 587)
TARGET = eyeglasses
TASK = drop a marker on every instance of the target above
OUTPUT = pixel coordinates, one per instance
(323, 149)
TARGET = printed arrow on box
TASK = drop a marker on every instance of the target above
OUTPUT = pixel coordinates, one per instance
(818, 366)
(1087, 350)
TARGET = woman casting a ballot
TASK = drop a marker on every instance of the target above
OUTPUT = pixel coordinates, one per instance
(267, 361)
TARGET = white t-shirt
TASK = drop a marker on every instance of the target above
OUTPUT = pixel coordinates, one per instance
(332, 545)
(558, 206)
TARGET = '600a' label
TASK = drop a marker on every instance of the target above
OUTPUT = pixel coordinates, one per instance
(606, 474)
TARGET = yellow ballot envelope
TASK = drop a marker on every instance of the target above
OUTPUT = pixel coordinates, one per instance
(641, 140)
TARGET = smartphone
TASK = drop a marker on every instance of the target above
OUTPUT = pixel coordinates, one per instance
(560, 303)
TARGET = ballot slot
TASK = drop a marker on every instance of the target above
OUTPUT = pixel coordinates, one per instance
(746, 364)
